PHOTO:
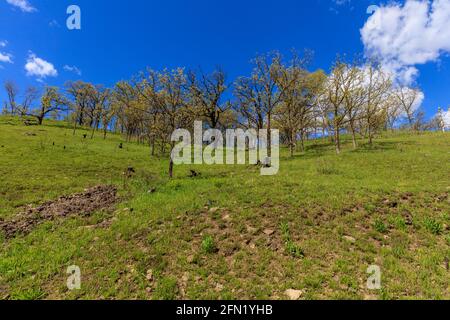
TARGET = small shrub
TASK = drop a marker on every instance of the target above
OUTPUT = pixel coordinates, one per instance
(400, 223)
(291, 248)
(285, 230)
(380, 226)
(433, 226)
(208, 245)
(294, 250)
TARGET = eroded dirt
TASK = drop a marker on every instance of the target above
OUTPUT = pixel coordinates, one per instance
(101, 197)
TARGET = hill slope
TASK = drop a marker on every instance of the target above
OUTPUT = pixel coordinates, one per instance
(229, 233)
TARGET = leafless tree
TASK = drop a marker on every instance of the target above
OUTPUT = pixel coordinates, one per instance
(12, 92)
(336, 90)
(378, 86)
(206, 93)
(408, 98)
(31, 95)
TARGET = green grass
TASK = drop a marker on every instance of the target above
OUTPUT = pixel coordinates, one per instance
(204, 237)
(208, 245)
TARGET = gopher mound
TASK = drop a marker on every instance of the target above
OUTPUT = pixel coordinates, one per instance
(81, 204)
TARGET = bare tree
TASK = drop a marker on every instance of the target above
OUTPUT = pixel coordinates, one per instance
(167, 91)
(12, 92)
(128, 107)
(258, 95)
(101, 101)
(288, 114)
(336, 90)
(265, 73)
(393, 110)
(355, 98)
(249, 103)
(206, 93)
(378, 86)
(299, 91)
(409, 99)
(82, 103)
(439, 120)
(31, 95)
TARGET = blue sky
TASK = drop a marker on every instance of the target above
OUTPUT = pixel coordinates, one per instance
(120, 38)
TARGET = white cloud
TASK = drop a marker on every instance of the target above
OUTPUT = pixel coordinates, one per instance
(5, 57)
(446, 118)
(404, 36)
(40, 68)
(341, 2)
(337, 4)
(23, 5)
(73, 69)
(54, 24)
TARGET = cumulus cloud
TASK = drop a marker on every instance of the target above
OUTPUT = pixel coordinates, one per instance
(73, 69)
(446, 119)
(404, 36)
(5, 57)
(39, 68)
(23, 5)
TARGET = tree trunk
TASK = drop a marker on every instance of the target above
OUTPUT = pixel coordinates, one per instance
(370, 135)
(80, 119)
(153, 146)
(269, 135)
(171, 168)
(292, 143)
(302, 142)
(337, 141)
(41, 116)
(355, 143)
(92, 133)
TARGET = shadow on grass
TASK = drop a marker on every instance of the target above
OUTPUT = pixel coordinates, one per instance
(380, 146)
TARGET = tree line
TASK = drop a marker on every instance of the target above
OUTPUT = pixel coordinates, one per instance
(356, 98)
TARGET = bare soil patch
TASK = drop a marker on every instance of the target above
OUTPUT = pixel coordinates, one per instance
(101, 197)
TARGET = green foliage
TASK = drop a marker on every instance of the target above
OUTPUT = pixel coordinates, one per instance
(433, 226)
(166, 289)
(208, 245)
(370, 208)
(291, 248)
(380, 226)
(399, 223)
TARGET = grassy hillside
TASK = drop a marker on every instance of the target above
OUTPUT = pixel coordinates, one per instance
(229, 233)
